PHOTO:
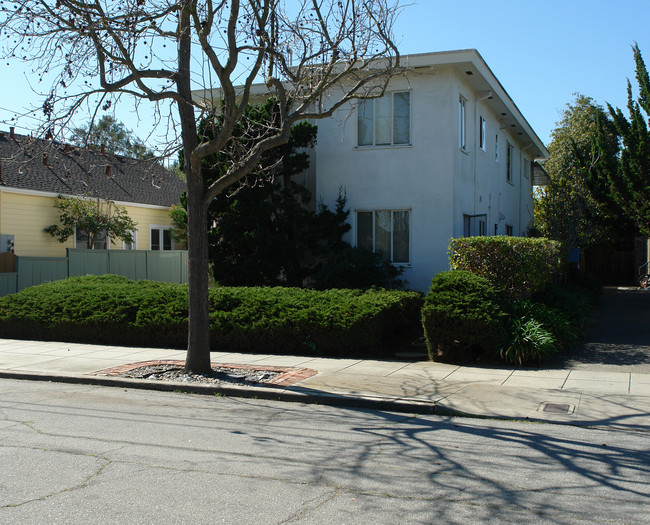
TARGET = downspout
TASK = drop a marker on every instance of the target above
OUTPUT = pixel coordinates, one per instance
(477, 133)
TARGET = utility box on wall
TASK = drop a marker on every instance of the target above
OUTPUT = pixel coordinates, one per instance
(6, 243)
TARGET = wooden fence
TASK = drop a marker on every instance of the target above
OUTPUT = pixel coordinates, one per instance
(165, 266)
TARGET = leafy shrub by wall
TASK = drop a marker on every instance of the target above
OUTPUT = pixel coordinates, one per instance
(516, 265)
(462, 317)
(114, 310)
(528, 342)
(554, 320)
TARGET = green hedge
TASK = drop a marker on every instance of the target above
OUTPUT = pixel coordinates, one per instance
(516, 265)
(114, 310)
(462, 317)
(466, 318)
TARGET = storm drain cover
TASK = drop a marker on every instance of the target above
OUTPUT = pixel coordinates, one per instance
(557, 408)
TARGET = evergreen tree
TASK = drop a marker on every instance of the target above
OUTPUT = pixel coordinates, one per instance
(576, 206)
(262, 231)
(630, 184)
(112, 134)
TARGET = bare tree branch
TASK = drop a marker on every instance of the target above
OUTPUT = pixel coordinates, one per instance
(315, 56)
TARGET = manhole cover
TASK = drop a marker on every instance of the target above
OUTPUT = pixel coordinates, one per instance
(557, 408)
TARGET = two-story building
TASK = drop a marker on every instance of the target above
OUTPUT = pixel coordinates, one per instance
(444, 153)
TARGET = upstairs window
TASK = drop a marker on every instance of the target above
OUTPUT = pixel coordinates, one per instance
(385, 232)
(482, 137)
(462, 123)
(509, 159)
(385, 121)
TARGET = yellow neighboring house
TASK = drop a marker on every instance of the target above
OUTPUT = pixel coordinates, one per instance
(34, 172)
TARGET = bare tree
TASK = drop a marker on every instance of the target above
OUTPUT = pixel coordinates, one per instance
(312, 56)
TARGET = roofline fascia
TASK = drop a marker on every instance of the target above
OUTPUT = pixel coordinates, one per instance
(496, 85)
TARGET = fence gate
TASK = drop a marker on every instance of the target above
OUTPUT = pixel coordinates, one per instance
(7, 262)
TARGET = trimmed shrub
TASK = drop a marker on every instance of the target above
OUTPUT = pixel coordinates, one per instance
(462, 317)
(113, 310)
(293, 320)
(516, 265)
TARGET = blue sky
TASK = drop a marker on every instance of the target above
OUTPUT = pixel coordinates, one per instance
(542, 51)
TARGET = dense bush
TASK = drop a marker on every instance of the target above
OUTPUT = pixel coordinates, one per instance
(553, 321)
(587, 283)
(516, 265)
(353, 267)
(462, 317)
(113, 310)
(573, 301)
(465, 317)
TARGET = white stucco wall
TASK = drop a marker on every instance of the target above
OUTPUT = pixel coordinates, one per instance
(432, 178)
(480, 185)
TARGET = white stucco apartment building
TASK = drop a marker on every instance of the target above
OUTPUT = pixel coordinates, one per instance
(445, 153)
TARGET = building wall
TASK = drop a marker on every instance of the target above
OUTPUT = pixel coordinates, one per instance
(417, 177)
(431, 177)
(480, 185)
(26, 215)
(145, 217)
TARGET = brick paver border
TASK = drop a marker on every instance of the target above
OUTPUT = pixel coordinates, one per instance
(288, 376)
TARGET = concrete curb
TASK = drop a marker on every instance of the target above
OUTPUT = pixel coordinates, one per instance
(271, 393)
(301, 394)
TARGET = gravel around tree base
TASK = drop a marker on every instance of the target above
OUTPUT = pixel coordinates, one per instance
(219, 375)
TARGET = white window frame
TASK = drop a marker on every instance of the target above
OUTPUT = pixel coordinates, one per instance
(160, 228)
(76, 244)
(462, 123)
(371, 101)
(482, 133)
(392, 232)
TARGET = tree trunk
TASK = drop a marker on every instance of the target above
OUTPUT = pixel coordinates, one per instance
(198, 337)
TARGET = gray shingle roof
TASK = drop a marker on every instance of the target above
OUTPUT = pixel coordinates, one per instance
(43, 165)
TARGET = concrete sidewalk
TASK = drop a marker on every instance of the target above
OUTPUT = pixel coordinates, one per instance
(583, 397)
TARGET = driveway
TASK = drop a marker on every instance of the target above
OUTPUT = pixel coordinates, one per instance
(618, 339)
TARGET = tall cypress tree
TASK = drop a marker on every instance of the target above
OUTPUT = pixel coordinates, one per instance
(630, 184)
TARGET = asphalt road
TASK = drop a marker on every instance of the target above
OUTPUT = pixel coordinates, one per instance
(88, 454)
